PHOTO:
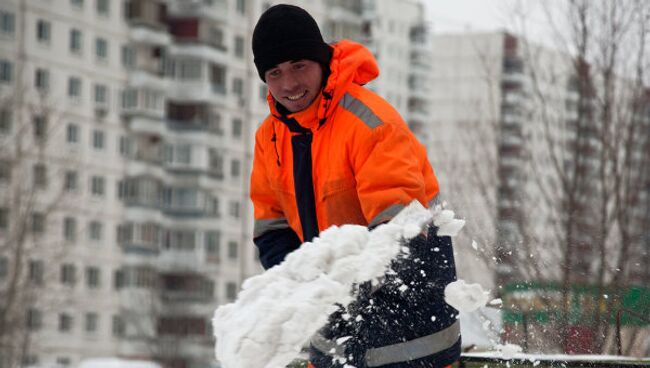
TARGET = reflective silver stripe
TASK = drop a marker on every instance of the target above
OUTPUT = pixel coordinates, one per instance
(263, 225)
(435, 201)
(414, 349)
(360, 110)
(386, 214)
(327, 347)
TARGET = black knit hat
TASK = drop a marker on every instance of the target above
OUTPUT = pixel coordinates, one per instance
(287, 32)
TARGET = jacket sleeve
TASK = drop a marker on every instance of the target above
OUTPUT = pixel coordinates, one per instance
(274, 245)
(387, 171)
(271, 232)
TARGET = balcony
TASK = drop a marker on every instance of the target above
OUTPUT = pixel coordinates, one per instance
(140, 238)
(146, 13)
(193, 117)
(417, 109)
(143, 101)
(178, 260)
(510, 161)
(148, 79)
(197, 31)
(513, 79)
(217, 10)
(347, 11)
(148, 149)
(421, 61)
(141, 191)
(189, 202)
(187, 287)
(419, 88)
(511, 140)
(199, 92)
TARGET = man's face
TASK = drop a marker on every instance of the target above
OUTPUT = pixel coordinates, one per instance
(295, 84)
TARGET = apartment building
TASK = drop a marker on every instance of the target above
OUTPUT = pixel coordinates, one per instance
(517, 137)
(127, 137)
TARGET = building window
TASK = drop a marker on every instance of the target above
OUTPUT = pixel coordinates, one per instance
(40, 176)
(5, 171)
(118, 277)
(241, 6)
(98, 140)
(63, 361)
(103, 8)
(235, 168)
(43, 31)
(72, 135)
(77, 3)
(264, 92)
(216, 37)
(68, 274)
(119, 327)
(6, 73)
(236, 128)
(6, 118)
(7, 23)
(218, 78)
(101, 49)
(101, 94)
(65, 322)
(34, 319)
(95, 230)
(238, 86)
(212, 248)
(74, 87)
(234, 209)
(128, 57)
(232, 249)
(91, 322)
(36, 270)
(189, 69)
(38, 223)
(70, 181)
(75, 41)
(97, 186)
(231, 291)
(125, 146)
(4, 267)
(4, 218)
(42, 80)
(69, 229)
(93, 277)
(239, 46)
(40, 127)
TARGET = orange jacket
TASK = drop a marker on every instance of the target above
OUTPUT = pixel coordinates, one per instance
(366, 164)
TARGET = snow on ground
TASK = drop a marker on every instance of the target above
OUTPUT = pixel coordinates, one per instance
(278, 311)
(116, 363)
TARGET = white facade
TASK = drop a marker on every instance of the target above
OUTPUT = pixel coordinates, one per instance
(146, 129)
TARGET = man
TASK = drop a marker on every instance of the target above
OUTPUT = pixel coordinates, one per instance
(332, 152)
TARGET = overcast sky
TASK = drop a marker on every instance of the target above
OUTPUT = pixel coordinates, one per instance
(466, 15)
(488, 15)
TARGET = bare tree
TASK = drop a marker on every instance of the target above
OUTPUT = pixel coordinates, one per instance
(32, 194)
(582, 209)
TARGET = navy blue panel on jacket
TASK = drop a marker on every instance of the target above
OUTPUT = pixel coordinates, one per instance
(390, 316)
(274, 246)
(302, 176)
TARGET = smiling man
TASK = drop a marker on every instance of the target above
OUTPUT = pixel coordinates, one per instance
(332, 152)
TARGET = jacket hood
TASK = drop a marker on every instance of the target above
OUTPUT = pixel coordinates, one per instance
(351, 63)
